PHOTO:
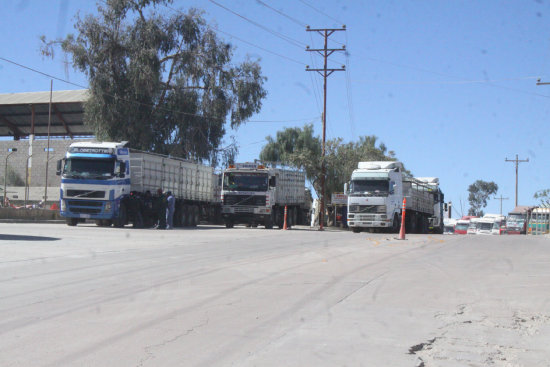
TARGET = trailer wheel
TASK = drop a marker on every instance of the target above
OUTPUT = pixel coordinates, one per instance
(183, 216)
(71, 221)
(195, 217)
(122, 217)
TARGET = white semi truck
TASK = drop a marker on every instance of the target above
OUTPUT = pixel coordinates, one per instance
(99, 180)
(254, 194)
(375, 199)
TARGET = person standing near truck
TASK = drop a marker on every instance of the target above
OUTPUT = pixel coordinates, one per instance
(170, 208)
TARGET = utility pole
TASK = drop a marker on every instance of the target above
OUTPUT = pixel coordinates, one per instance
(325, 72)
(517, 161)
(501, 198)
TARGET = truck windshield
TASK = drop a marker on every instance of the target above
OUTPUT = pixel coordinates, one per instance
(485, 226)
(370, 186)
(245, 181)
(89, 168)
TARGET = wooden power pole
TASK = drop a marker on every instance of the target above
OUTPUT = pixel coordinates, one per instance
(325, 72)
(501, 198)
(517, 162)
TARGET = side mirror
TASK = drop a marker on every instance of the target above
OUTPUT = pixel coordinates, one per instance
(446, 207)
(272, 181)
(346, 188)
(59, 167)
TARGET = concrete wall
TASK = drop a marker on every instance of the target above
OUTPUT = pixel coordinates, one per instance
(37, 172)
(29, 214)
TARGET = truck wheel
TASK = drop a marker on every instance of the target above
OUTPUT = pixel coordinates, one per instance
(194, 216)
(412, 223)
(122, 217)
(182, 216)
(356, 230)
(228, 224)
(395, 224)
(269, 222)
(72, 221)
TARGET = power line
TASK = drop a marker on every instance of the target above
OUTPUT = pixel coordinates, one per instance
(141, 103)
(244, 41)
(320, 12)
(290, 40)
(452, 76)
(446, 82)
(349, 91)
(301, 24)
(42, 73)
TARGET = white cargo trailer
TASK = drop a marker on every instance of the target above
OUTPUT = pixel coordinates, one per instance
(100, 180)
(255, 194)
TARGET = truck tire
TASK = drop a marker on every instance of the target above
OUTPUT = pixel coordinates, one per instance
(424, 224)
(229, 223)
(356, 229)
(395, 224)
(183, 216)
(195, 217)
(71, 221)
(412, 223)
(269, 222)
(122, 217)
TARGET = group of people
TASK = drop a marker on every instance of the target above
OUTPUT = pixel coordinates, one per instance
(147, 210)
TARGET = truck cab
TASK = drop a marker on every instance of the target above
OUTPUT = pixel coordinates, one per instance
(94, 181)
(375, 195)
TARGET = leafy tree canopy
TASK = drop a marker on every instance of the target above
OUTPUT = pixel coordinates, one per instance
(543, 196)
(479, 192)
(298, 147)
(162, 81)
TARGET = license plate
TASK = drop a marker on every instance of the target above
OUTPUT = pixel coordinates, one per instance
(85, 216)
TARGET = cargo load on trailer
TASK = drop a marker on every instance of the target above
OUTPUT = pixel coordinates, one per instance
(375, 197)
(255, 194)
(113, 184)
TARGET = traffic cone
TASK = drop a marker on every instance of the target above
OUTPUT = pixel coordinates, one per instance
(286, 214)
(402, 231)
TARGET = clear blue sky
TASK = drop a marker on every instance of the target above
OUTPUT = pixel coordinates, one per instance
(450, 86)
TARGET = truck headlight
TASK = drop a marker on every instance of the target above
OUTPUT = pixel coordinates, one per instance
(108, 206)
(63, 205)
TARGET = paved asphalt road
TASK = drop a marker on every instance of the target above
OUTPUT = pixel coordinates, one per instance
(89, 296)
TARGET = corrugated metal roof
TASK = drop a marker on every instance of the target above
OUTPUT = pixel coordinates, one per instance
(23, 114)
(61, 96)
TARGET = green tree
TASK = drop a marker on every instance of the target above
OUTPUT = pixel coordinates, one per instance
(165, 83)
(543, 196)
(479, 192)
(298, 147)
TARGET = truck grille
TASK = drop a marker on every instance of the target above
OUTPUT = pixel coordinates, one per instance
(86, 194)
(367, 209)
(84, 206)
(249, 200)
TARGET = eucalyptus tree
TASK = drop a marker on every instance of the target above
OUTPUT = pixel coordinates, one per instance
(161, 78)
(479, 193)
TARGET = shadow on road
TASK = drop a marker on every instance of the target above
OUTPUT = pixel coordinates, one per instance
(17, 237)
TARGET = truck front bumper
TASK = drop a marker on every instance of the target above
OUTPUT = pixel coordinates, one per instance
(368, 220)
(87, 209)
